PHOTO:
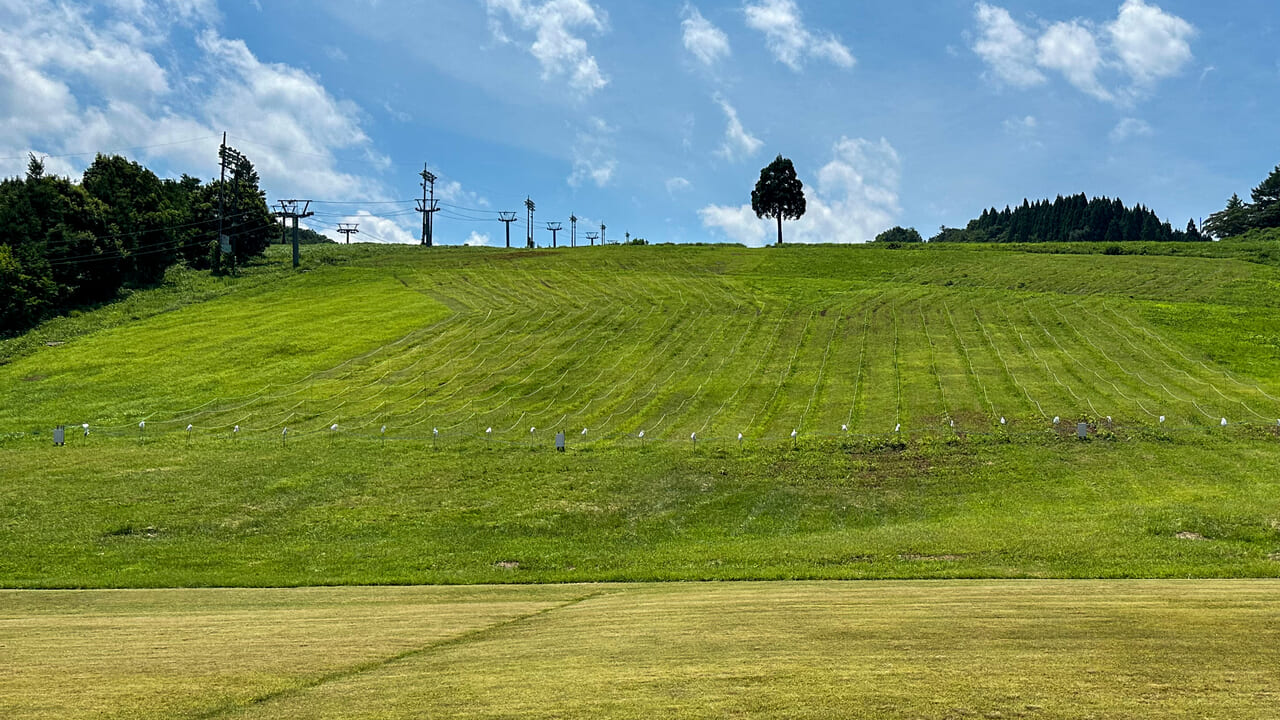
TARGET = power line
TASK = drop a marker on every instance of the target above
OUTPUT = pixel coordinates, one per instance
(115, 152)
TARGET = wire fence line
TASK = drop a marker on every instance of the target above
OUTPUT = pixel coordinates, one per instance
(573, 441)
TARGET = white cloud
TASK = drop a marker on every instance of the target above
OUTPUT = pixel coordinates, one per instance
(704, 41)
(738, 222)
(789, 40)
(1021, 125)
(593, 158)
(476, 239)
(557, 48)
(1151, 43)
(677, 185)
(77, 77)
(1071, 49)
(1118, 61)
(376, 229)
(738, 143)
(855, 197)
(1130, 128)
(1006, 47)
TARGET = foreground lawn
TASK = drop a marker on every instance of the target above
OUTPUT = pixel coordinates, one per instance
(1037, 649)
(349, 511)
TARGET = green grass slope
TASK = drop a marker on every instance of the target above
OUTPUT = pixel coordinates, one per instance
(947, 366)
(675, 341)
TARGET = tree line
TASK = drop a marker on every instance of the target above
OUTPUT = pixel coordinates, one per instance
(1075, 218)
(1239, 217)
(66, 244)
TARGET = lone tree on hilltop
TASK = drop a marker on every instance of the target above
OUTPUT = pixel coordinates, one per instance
(779, 193)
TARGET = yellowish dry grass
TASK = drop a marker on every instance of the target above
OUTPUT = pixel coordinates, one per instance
(1039, 649)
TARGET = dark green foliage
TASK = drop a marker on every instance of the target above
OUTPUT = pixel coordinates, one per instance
(1066, 219)
(1229, 222)
(1238, 218)
(1266, 202)
(899, 235)
(779, 194)
(64, 245)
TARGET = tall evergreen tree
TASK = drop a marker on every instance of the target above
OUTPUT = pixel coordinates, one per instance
(779, 193)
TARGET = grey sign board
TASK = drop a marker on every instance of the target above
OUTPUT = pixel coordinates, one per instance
(60, 435)
(560, 442)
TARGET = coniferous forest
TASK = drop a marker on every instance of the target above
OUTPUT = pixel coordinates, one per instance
(1075, 218)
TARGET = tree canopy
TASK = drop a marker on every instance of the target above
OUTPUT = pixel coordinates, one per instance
(779, 194)
(1066, 219)
(900, 235)
(66, 244)
(1239, 218)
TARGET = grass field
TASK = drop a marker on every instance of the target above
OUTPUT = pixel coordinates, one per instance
(677, 342)
(674, 342)
(1033, 649)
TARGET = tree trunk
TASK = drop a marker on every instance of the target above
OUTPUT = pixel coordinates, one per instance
(779, 228)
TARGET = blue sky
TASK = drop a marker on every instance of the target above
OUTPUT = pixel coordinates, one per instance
(656, 118)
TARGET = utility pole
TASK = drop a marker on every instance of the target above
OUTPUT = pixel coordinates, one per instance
(228, 157)
(506, 218)
(592, 237)
(349, 229)
(428, 205)
(528, 225)
(602, 240)
(555, 229)
(573, 230)
(289, 209)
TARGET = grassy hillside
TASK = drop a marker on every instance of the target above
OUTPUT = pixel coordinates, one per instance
(675, 342)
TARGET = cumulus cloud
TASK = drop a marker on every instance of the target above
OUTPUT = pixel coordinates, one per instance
(1130, 128)
(593, 158)
(789, 40)
(476, 239)
(855, 197)
(1151, 43)
(1006, 47)
(1071, 49)
(704, 41)
(557, 47)
(738, 143)
(1117, 61)
(375, 229)
(76, 77)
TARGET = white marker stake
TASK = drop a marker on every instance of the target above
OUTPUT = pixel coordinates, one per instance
(898, 428)
(488, 436)
(532, 430)
(86, 429)
(283, 436)
(188, 434)
(584, 432)
(739, 441)
(142, 429)
(435, 437)
(794, 442)
(235, 430)
(844, 428)
(1056, 420)
(1224, 422)
(1002, 421)
(384, 436)
(1161, 419)
(641, 436)
(693, 438)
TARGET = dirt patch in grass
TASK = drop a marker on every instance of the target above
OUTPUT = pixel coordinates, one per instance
(507, 564)
(931, 558)
(1194, 537)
